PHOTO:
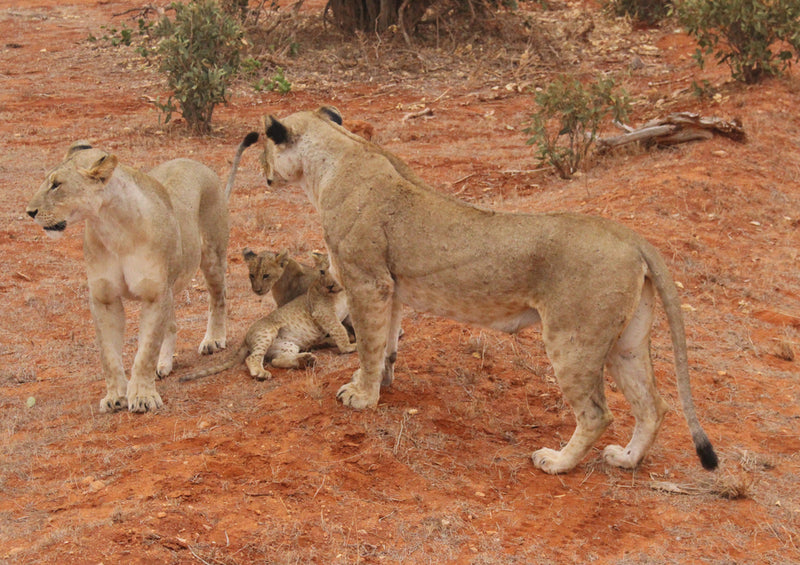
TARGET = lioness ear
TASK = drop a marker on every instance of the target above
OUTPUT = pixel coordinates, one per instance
(282, 258)
(75, 147)
(103, 168)
(275, 130)
(331, 113)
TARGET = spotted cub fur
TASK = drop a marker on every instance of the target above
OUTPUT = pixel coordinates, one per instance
(285, 335)
(279, 273)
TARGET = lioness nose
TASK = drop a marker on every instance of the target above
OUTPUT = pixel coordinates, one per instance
(32, 213)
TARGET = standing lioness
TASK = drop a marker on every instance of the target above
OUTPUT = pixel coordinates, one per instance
(394, 240)
(145, 236)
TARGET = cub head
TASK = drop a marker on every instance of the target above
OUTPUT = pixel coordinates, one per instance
(265, 268)
(326, 282)
(281, 156)
(73, 189)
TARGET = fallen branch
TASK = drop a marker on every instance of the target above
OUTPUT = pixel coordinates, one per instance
(675, 128)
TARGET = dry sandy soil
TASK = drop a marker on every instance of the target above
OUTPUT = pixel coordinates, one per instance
(236, 471)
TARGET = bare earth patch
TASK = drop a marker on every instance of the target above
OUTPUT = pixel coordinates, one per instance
(237, 471)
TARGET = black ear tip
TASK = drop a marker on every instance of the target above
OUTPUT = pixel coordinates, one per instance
(277, 132)
(333, 114)
(250, 138)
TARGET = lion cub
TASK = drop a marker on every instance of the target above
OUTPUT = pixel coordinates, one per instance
(279, 273)
(307, 321)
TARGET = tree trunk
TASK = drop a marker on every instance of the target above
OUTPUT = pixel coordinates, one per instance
(377, 15)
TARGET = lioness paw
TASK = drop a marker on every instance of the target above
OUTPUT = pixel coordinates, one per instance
(210, 346)
(352, 395)
(164, 369)
(549, 461)
(619, 456)
(113, 403)
(145, 403)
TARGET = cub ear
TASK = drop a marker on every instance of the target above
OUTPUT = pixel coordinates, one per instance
(282, 258)
(248, 254)
(103, 168)
(321, 260)
(331, 113)
(275, 130)
(75, 147)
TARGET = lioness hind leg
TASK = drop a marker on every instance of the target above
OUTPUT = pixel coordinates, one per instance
(391, 344)
(165, 356)
(579, 372)
(212, 264)
(630, 366)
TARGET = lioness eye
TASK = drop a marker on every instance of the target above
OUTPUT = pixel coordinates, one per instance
(55, 185)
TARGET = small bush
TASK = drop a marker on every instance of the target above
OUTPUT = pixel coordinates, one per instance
(200, 56)
(756, 38)
(569, 117)
(278, 83)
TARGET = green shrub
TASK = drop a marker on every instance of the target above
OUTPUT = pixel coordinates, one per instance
(756, 38)
(278, 83)
(569, 117)
(200, 56)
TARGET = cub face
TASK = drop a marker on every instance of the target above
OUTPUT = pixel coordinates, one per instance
(72, 191)
(265, 269)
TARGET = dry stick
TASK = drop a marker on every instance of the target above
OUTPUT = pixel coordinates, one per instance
(401, 24)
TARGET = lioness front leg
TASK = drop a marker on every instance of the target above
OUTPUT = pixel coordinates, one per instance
(212, 264)
(370, 307)
(109, 322)
(142, 394)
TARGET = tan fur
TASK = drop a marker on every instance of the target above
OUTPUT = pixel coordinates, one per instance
(277, 272)
(287, 333)
(394, 240)
(145, 236)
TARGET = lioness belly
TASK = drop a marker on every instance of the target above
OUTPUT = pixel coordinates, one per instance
(483, 308)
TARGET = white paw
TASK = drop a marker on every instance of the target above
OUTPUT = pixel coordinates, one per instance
(209, 346)
(262, 375)
(354, 396)
(112, 403)
(618, 456)
(164, 369)
(548, 460)
(145, 403)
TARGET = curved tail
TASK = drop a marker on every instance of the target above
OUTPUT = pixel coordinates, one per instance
(659, 274)
(231, 362)
(248, 140)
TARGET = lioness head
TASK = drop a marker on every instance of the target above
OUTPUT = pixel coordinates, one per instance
(265, 268)
(279, 161)
(72, 190)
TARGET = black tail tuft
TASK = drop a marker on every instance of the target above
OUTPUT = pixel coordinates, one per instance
(707, 456)
(250, 139)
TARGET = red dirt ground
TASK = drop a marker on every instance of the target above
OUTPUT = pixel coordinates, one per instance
(237, 471)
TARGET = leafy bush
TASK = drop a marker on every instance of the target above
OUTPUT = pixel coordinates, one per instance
(278, 83)
(200, 56)
(755, 38)
(647, 11)
(569, 117)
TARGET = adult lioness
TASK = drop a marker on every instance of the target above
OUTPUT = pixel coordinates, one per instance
(145, 236)
(394, 240)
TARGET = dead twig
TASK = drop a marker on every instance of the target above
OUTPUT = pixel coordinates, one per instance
(675, 128)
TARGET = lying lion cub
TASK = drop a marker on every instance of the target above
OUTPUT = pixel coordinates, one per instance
(285, 335)
(394, 240)
(145, 236)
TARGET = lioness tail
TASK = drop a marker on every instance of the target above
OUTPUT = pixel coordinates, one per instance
(248, 140)
(665, 286)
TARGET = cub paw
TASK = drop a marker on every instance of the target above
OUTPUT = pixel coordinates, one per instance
(306, 360)
(618, 456)
(113, 403)
(262, 375)
(548, 460)
(209, 346)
